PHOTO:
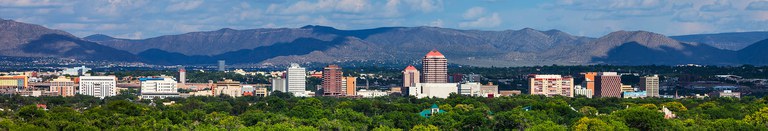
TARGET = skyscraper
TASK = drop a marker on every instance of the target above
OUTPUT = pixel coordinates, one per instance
(98, 86)
(435, 68)
(551, 85)
(651, 85)
(297, 78)
(182, 75)
(332, 80)
(222, 65)
(608, 84)
(410, 76)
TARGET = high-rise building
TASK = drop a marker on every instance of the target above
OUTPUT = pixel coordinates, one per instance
(580, 90)
(589, 82)
(349, 86)
(650, 84)
(222, 65)
(279, 84)
(435, 68)
(410, 76)
(182, 75)
(608, 84)
(551, 85)
(98, 86)
(63, 86)
(158, 88)
(332, 81)
(297, 78)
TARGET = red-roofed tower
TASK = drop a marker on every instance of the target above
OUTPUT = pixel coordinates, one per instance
(435, 68)
(411, 76)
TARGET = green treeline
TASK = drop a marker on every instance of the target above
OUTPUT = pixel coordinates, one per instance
(281, 111)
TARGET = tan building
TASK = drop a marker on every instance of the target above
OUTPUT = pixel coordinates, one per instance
(551, 85)
(435, 68)
(411, 76)
(349, 85)
(228, 87)
(509, 92)
(63, 87)
(11, 84)
(627, 88)
(650, 84)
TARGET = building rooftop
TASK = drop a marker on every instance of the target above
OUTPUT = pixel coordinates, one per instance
(410, 67)
(435, 53)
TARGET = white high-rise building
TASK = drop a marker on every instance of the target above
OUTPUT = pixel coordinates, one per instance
(650, 84)
(98, 86)
(297, 78)
(158, 88)
(278, 84)
(551, 85)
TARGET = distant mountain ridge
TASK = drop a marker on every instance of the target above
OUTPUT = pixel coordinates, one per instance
(28, 40)
(321, 44)
(730, 41)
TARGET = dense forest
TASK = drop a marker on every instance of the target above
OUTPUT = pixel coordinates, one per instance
(281, 111)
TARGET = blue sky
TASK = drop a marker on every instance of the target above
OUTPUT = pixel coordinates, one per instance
(150, 18)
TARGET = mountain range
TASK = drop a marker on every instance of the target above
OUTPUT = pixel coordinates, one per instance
(321, 44)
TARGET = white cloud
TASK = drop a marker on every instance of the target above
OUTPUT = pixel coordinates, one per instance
(184, 5)
(483, 22)
(70, 26)
(758, 5)
(612, 4)
(134, 35)
(30, 3)
(436, 23)
(425, 6)
(347, 6)
(474, 12)
(718, 6)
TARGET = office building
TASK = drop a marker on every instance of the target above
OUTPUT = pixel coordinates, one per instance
(279, 84)
(411, 76)
(371, 93)
(158, 88)
(182, 75)
(63, 86)
(296, 80)
(222, 65)
(228, 87)
(627, 88)
(467, 88)
(580, 90)
(650, 84)
(725, 93)
(608, 84)
(439, 90)
(456, 78)
(76, 71)
(13, 84)
(589, 82)
(349, 86)
(98, 86)
(551, 85)
(634, 94)
(332, 81)
(435, 68)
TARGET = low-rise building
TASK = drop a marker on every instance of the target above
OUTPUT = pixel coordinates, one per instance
(62, 86)
(371, 93)
(158, 88)
(579, 90)
(634, 94)
(98, 86)
(228, 87)
(725, 93)
(439, 90)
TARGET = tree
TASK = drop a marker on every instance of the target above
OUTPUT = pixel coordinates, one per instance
(759, 118)
(547, 126)
(591, 124)
(386, 128)
(641, 118)
(675, 106)
(31, 112)
(424, 128)
(588, 111)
